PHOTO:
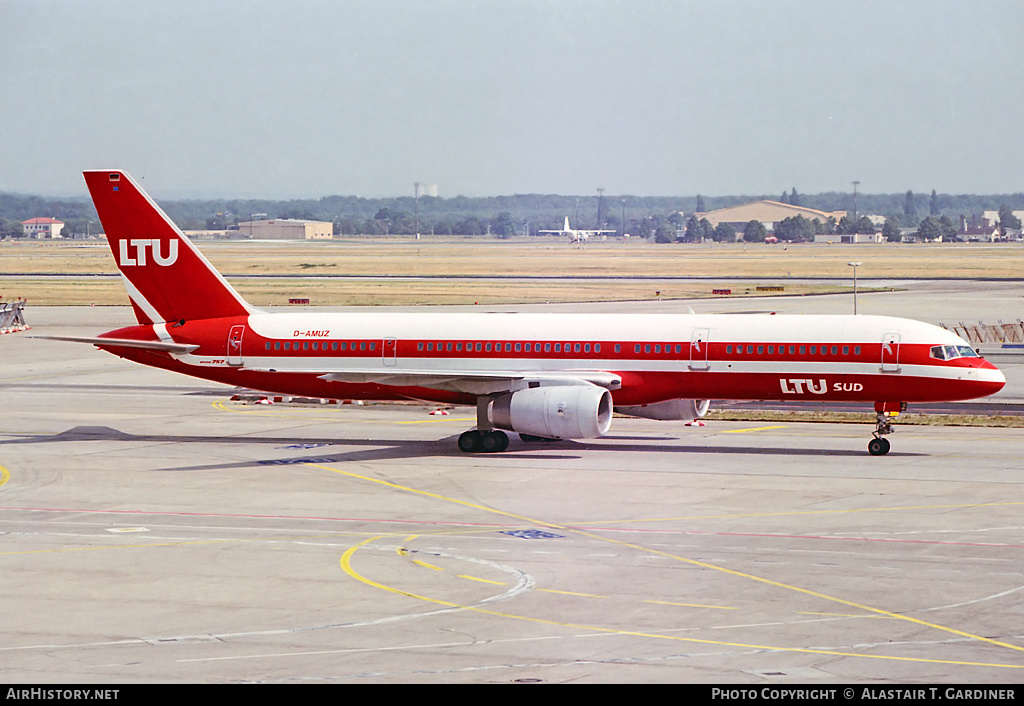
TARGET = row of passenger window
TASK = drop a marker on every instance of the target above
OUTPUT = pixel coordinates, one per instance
(472, 347)
(498, 347)
(447, 346)
(322, 346)
(568, 347)
(803, 350)
(655, 348)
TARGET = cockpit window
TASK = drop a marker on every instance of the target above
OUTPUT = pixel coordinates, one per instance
(952, 352)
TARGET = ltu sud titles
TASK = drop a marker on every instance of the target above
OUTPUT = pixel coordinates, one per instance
(795, 386)
(930, 693)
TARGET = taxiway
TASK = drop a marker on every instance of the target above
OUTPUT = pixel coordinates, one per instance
(152, 530)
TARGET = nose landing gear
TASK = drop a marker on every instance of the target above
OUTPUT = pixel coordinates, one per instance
(885, 414)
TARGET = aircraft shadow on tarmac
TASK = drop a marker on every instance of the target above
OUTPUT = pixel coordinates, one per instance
(391, 449)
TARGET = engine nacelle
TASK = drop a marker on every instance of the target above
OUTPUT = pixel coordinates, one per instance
(668, 410)
(556, 412)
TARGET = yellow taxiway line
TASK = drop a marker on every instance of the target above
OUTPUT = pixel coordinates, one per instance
(346, 565)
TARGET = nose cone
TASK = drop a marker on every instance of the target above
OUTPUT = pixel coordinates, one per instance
(990, 378)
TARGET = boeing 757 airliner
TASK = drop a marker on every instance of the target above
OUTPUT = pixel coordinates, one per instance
(544, 376)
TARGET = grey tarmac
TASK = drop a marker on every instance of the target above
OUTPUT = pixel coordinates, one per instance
(151, 530)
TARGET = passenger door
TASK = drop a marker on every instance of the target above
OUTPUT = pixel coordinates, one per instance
(699, 349)
(891, 353)
(389, 352)
(235, 345)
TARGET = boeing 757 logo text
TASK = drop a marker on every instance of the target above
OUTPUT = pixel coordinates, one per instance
(141, 245)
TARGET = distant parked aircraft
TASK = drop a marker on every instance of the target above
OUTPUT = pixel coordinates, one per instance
(576, 236)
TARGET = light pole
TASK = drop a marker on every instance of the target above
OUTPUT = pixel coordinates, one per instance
(416, 197)
(854, 266)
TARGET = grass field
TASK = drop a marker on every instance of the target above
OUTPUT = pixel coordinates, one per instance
(911, 418)
(486, 259)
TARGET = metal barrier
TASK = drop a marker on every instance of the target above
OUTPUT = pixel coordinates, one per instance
(12, 317)
(989, 333)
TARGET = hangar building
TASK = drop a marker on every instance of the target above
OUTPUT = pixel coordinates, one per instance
(767, 212)
(286, 229)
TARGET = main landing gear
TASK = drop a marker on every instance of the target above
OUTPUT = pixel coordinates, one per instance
(483, 441)
(485, 438)
(885, 414)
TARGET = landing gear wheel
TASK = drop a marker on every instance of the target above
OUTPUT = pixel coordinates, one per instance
(470, 442)
(878, 447)
(494, 441)
(489, 441)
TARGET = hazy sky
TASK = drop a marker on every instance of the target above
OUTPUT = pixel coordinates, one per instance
(305, 98)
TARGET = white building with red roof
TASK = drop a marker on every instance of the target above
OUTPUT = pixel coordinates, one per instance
(42, 228)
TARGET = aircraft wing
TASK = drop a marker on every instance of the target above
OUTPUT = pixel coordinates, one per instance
(470, 382)
(165, 346)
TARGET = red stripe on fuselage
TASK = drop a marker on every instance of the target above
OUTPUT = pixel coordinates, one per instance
(844, 379)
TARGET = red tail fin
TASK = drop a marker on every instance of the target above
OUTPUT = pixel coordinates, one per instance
(167, 278)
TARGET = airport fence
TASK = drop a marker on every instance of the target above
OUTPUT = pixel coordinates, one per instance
(989, 333)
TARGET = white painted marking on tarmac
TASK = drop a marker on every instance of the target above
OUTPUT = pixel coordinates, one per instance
(352, 650)
(180, 639)
(976, 600)
(334, 545)
(784, 623)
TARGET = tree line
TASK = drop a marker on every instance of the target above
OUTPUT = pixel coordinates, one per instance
(659, 218)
